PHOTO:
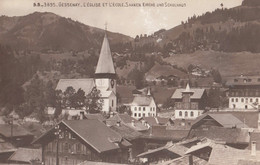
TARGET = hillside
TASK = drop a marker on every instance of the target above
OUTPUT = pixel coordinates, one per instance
(229, 30)
(228, 64)
(48, 31)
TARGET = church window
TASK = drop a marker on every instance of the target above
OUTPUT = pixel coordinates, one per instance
(180, 113)
(186, 114)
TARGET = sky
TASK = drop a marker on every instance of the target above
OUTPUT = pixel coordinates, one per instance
(129, 20)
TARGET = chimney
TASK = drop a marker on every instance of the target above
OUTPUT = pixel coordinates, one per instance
(133, 123)
(253, 148)
(81, 116)
(118, 123)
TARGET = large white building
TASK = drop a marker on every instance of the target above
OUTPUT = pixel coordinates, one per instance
(244, 92)
(143, 105)
(104, 80)
(189, 103)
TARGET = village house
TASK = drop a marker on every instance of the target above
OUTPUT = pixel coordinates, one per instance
(189, 103)
(225, 128)
(16, 135)
(244, 92)
(75, 141)
(143, 105)
(104, 80)
(216, 153)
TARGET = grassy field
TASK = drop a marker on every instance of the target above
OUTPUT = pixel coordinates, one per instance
(228, 64)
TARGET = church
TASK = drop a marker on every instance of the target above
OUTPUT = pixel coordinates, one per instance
(104, 80)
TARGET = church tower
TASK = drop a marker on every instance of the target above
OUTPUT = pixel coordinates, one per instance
(105, 76)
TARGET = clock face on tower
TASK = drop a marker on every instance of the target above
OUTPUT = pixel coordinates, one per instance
(112, 83)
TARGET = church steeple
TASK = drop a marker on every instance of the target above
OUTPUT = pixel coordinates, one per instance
(105, 67)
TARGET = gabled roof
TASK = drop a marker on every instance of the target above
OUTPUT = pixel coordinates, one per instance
(126, 132)
(6, 146)
(227, 135)
(85, 84)
(105, 62)
(225, 155)
(5, 130)
(226, 120)
(165, 133)
(95, 133)
(250, 118)
(125, 118)
(142, 100)
(26, 155)
(197, 93)
(174, 148)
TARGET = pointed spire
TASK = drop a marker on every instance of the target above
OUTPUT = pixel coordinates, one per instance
(105, 66)
(187, 89)
(148, 92)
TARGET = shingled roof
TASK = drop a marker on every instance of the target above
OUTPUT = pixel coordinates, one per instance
(197, 93)
(228, 135)
(26, 155)
(105, 62)
(226, 120)
(94, 132)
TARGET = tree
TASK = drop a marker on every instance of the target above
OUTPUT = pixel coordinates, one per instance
(69, 97)
(79, 99)
(216, 76)
(94, 102)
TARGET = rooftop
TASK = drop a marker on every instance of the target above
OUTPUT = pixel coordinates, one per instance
(90, 131)
(243, 81)
(142, 100)
(26, 155)
(197, 93)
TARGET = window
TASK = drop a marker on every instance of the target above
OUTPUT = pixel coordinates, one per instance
(180, 113)
(66, 147)
(78, 147)
(112, 103)
(139, 108)
(236, 99)
(232, 100)
(135, 108)
(139, 115)
(151, 109)
(256, 100)
(245, 106)
(143, 108)
(186, 114)
(251, 100)
(143, 114)
(191, 114)
(135, 115)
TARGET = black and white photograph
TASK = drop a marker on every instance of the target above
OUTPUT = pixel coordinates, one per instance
(130, 82)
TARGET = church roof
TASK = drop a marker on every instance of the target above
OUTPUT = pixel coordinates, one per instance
(105, 62)
(85, 84)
